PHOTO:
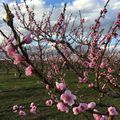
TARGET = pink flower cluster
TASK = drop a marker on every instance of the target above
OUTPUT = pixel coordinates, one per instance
(62, 107)
(18, 59)
(99, 117)
(68, 98)
(27, 39)
(33, 108)
(104, 63)
(49, 102)
(19, 110)
(11, 50)
(60, 86)
(22, 113)
(29, 71)
(12, 53)
(84, 79)
(111, 110)
(83, 107)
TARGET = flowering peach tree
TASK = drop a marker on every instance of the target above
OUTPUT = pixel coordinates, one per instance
(71, 48)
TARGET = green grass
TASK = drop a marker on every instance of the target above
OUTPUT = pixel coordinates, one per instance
(29, 89)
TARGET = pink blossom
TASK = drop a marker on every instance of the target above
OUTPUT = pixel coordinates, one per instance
(53, 66)
(15, 108)
(110, 70)
(27, 39)
(91, 56)
(85, 64)
(109, 76)
(103, 74)
(68, 97)
(10, 50)
(49, 102)
(60, 86)
(75, 110)
(22, 113)
(33, 109)
(85, 74)
(29, 71)
(90, 85)
(102, 65)
(92, 64)
(18, 59)
(49, 74)
(112, 111)
(91, 105)
(47, 87)
(96, 116)
(32, 104)
(113, 80)
(83, 80)
(83, 107)
(62, 107)
(99, 117)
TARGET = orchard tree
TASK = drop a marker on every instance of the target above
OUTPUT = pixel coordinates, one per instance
(6, 63)
(84, 54)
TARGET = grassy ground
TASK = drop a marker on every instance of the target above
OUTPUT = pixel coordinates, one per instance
(26, 90)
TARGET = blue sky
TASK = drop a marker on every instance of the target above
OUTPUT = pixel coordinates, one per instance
(53, 2)
(56, 1)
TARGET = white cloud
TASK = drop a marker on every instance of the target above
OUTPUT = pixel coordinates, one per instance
(90, 10)
(83, 5)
